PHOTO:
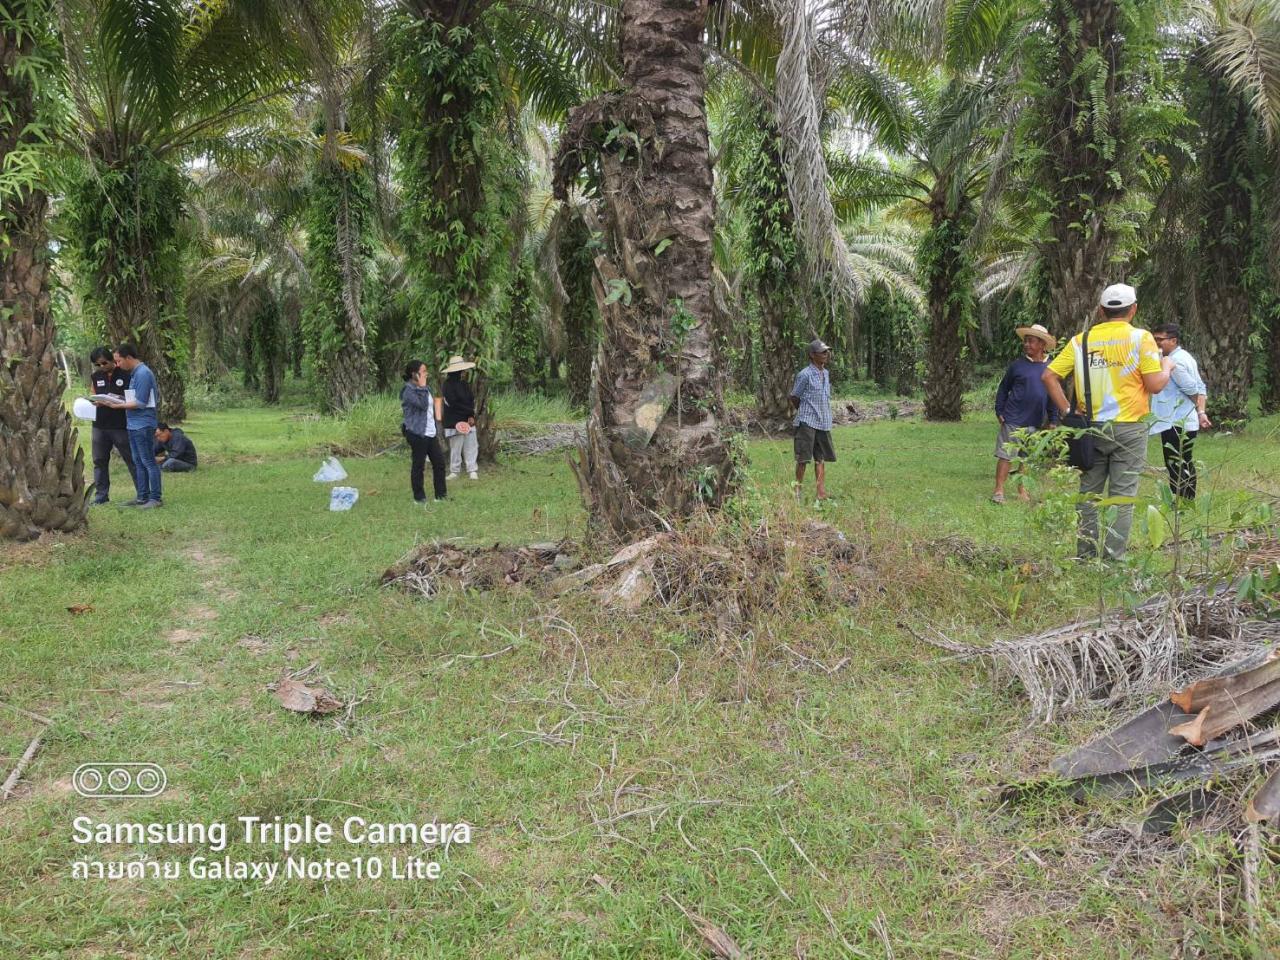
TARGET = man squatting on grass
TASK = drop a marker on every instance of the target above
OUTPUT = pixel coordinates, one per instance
(1125, 368)
(811, 394)
(1022, 402)
(1179, 411)
(141, 400)
(174, 450)
(110, 431)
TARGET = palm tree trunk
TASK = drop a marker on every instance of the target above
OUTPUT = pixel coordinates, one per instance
(575, 264)
(1224, 353)
(1271, 386)
(777, 361)
(1080, 175)
(41, 464)
(1224, 306)
(948, 279)
(655, 445)
(145, 316)
(337, 244)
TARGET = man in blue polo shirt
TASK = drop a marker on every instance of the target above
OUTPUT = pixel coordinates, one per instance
(140, 404)
(811, 396)
(1022, 402)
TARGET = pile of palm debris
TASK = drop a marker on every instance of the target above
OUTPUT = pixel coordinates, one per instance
(717, 574)
(1125, 655)
(432, 567)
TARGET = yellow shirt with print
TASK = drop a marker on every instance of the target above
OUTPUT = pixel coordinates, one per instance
(1119, 354)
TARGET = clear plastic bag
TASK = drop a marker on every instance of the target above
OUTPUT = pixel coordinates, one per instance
(343, 498)
(330, 472)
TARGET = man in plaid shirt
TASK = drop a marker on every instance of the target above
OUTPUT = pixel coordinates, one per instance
(811, 393)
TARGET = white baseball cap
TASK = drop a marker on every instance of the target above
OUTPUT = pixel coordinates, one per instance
(1118, 295)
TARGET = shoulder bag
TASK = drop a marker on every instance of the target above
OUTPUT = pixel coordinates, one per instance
(1080, 445)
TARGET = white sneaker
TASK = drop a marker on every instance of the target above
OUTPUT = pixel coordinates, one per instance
(452, 476)
(473, 475)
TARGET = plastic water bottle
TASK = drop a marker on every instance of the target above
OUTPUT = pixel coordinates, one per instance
(343, 498)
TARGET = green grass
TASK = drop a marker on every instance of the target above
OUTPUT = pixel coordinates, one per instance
(868, 792)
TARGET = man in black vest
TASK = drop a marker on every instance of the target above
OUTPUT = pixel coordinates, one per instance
(109, 430)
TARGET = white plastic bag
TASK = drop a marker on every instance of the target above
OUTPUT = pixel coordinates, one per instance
(343, 498)
(330, 472)
(83, 409)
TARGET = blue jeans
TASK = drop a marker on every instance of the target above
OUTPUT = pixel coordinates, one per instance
(146, 480)
(174, 465)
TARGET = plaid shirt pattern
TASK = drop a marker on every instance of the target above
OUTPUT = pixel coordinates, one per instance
(813, 389)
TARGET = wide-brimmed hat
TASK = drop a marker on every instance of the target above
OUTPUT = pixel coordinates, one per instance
(1036, 330)
(456, 365)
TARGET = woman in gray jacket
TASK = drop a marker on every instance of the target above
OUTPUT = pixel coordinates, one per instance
(422, 416)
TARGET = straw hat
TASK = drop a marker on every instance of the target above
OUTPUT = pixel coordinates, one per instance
(1036, 330)
(456, 365)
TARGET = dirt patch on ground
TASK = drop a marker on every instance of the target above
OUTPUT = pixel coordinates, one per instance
(36, 553)
(205, 557)
(253, 643)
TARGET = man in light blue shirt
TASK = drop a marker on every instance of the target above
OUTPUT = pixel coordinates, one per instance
(140, 404)
(811, 396)
(1178, 410)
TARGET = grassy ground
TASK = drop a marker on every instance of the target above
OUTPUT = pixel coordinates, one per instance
(615, 770)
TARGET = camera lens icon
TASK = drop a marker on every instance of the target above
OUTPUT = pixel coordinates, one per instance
(119, 781)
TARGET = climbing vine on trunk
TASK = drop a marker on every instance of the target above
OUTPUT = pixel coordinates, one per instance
(769, 253)
(460, 193)
(125, 219)
(339, 244)
(522, 332)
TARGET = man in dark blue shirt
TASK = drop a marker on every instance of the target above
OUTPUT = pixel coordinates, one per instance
(174, 450)
(1022, 402)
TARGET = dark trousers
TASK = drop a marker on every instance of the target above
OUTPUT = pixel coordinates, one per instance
(104, 441)
(146, 473)
(1176, 443)
(425, 448)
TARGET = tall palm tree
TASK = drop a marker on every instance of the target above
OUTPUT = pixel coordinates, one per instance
(938, 127)
(1208, 266)
(150, 84)
(655, 446)
(457, 148)
(338, 41)
(1093, 113)
(41, 464)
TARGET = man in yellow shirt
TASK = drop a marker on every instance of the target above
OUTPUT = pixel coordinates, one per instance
(1125, 367)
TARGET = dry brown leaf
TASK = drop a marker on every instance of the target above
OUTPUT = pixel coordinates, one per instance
(1265, 804)
(717, 941)
(298, 697)
(78, 608)
(602, 882)
(1193, 730)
